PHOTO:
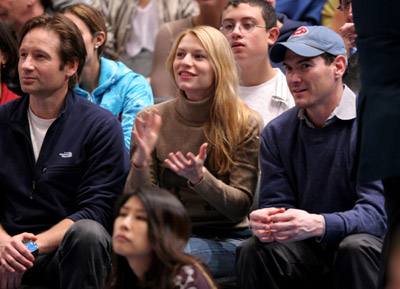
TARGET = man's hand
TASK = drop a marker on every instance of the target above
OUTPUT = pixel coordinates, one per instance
(348, 32)
(191, 166)
(10, 280)
(260, 223)
(15, 259)
(296, 225)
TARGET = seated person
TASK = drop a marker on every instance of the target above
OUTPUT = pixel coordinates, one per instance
(161, 82)
(304, 10)
(352, 77)
(8, 63)
(314, 227)
(133, 25)
(16, 13)
(206, 150)
(286, 28)
(250, 28)
(64, 165)
(105, 82)
(150, 232)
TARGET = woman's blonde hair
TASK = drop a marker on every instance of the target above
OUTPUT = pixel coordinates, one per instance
(227, 123)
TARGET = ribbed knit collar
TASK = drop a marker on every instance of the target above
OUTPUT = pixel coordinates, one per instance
(193, 111)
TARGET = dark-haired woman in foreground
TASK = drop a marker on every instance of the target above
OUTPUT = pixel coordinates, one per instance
(150, 232)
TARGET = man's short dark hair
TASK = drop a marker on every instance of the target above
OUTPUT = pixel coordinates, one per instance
(72, 47)
(329, 58)
(267, 11)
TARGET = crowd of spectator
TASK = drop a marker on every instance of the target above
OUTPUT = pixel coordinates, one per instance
(195, 144)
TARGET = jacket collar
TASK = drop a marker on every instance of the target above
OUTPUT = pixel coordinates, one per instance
(18, 118)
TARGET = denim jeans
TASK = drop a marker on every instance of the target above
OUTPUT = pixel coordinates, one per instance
(217, 253)
(81, 261)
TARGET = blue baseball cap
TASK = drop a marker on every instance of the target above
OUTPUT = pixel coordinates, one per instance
(310, 41)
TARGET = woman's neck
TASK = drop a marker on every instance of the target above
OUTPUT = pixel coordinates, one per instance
(90, 76)
(140, 265)
(207, 17)
(144, 3)
(193, 111)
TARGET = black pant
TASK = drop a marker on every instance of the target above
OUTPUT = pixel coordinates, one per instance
(81, 261)
(353, 264)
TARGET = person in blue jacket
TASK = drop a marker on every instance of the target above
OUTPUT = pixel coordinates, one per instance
(314, 227)
(286, 28)
(110, 84)
(64, 164)
(304, 10)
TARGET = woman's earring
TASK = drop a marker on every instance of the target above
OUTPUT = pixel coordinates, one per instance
(96, 47)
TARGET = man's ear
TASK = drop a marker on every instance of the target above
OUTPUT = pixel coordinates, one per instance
(340, 65)
(31, 2)
(71, 67)
(273, 34)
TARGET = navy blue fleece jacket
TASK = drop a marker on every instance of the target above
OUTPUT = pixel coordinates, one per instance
(80, 171)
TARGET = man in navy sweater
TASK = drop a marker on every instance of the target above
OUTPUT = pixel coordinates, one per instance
(315, 228)
(64, 163)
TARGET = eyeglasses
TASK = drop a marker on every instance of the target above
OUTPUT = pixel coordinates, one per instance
(344, 5)
(248, 27)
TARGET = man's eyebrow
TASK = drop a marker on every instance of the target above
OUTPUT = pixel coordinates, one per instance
(34, 50)
(241, 19)
(304, 60)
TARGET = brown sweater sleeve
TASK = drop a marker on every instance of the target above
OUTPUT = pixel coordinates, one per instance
(235, 199)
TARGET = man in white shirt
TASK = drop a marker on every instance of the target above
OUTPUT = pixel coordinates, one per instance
(64, 166)
(250, 26)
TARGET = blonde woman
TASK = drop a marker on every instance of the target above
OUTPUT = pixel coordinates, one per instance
(205, 151)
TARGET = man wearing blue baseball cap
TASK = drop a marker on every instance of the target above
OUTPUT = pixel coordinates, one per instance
(314, 228)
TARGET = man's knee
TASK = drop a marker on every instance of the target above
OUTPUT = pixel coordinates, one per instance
(359, 244)
(253, 251)
(88, 234)
(247, 247)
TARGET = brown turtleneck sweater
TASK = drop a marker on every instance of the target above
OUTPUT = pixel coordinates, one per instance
(219, 201)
